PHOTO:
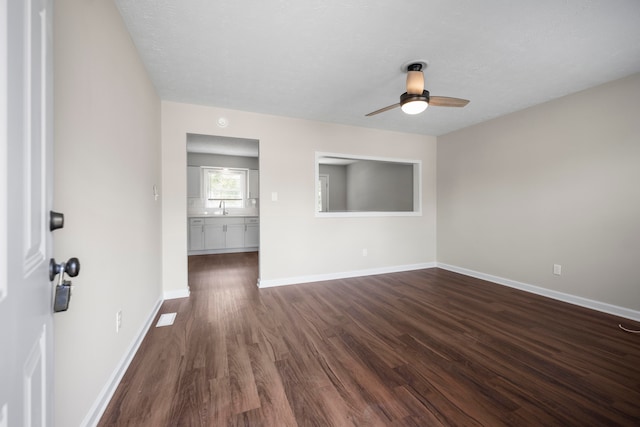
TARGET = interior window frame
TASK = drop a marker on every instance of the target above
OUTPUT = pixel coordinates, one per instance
(417, 187)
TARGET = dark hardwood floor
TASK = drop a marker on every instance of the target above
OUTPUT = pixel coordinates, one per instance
(421, 348)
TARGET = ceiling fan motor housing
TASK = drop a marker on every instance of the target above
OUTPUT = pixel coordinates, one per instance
(408, 97)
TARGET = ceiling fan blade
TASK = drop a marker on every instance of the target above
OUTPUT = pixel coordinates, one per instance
(445, 101)
(382, 110)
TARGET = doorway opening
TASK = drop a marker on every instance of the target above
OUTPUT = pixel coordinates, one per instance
(223, 195)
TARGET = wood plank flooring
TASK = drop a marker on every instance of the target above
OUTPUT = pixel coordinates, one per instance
(421, 348)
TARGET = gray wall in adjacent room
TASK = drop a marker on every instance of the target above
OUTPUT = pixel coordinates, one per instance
(379, 186)
(202, 159)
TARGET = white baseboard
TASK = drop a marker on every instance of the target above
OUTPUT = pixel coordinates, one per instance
(561, 296)
(342, 275)
(100, 404)
(180, 293)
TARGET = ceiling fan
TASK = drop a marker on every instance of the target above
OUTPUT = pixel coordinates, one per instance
(415, 100)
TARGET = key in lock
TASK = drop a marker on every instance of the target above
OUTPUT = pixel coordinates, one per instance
(63, 288)
(62, 296)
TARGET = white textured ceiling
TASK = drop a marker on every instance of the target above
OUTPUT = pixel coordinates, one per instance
(336, 60)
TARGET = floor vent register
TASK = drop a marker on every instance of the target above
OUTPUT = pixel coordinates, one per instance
(166, 319)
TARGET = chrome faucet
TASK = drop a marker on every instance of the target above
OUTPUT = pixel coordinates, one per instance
(224, 207)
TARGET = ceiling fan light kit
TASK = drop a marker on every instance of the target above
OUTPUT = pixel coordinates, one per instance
(414, 104)
(415, 100)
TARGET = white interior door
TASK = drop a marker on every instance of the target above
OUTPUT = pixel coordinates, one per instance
(26, 316)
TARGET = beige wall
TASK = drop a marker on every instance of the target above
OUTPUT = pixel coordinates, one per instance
(558, 183)
(294, 244)
(107, 159)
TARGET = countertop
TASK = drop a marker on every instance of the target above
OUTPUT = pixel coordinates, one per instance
(219, 215)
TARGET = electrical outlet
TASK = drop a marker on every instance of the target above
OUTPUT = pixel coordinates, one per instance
(365, 252)
(557, 269)
(118, 320)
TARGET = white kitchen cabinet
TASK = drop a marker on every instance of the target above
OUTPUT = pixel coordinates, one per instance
(214, 236)
(196, 235)
(251, 232)
(234, 236)
(223, 234)
(253, 185)
(193, 181)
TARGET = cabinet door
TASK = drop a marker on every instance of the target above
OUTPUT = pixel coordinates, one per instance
(195, 238)
(235, 236)
(252, 235)
(254, 185)
(214, 236)
(193, 181)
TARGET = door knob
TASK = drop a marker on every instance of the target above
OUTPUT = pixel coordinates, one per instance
(71, 267)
